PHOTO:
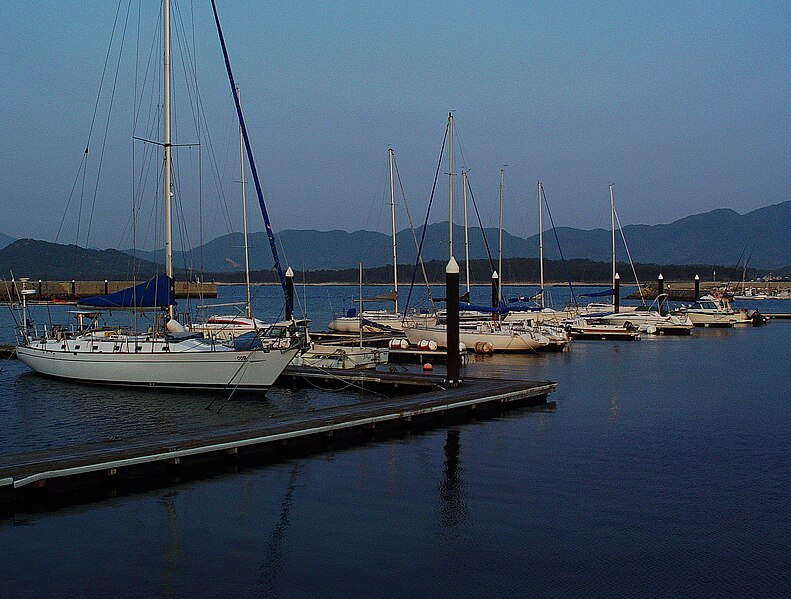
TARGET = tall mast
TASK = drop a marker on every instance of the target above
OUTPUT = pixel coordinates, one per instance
(541, 242)
(450, 183)
(612, 218)
(390, 155)
(500, 258)
(166, 143)
(247, 309)
(466, 231)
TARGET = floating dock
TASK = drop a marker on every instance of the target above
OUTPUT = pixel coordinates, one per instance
(49, 478)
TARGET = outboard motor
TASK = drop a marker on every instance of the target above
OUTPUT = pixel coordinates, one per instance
(757, 318)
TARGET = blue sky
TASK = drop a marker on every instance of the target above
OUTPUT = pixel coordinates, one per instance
(684, 106)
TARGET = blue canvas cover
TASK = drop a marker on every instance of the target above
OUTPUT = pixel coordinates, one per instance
(499, 309)
(155, 293)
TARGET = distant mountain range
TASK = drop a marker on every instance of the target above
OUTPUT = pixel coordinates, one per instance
(716, 237)
(5, 240)
(56, 262)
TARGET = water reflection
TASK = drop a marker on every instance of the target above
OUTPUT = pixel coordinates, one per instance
(451, 488)
(613, 406)
(172, 553)
(273, 561)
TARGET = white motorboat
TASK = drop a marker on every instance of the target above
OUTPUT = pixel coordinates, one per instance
(591, 328)
(346, 358)
(714, 311)
(652, 319)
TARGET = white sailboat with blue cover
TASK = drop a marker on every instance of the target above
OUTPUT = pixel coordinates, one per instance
(166, 355)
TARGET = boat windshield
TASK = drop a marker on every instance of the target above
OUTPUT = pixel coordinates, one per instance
(276, 332)
(706, 305)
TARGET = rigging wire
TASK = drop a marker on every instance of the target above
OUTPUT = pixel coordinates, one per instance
(84, 158)
(106, 128)
(414, 235)
(628, 253)
(428, 212)
(480, 224)
(560, 250)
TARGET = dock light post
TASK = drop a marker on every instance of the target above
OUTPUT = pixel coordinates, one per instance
(697, 288)
(452, 303)
(289, 293)
(39, 287)
(105, 287)
(495, 289)
(661, 282)
(73, 287)
(616, 293)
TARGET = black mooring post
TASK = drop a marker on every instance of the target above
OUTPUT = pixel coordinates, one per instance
(697, 288)
(495, 289)
(452, 303)
(289, 293)
(616, 295)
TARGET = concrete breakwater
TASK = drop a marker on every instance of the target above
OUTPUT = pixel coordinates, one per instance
(681, 292)
(69, 291)
(649, 292)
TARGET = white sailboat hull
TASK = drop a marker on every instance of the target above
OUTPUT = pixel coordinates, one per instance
(380, 321)
(227, 369)
(501, 341)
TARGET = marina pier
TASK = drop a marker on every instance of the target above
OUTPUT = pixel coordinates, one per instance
(102, 469)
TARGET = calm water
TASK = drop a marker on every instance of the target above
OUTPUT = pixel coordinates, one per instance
(664, 471)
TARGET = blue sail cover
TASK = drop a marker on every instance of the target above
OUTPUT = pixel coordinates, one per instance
(499, 309)
(156, 293)
(599, 294)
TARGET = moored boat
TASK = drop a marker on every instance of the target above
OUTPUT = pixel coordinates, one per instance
(166, 354)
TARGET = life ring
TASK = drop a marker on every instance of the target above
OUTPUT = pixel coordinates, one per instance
(716, 294)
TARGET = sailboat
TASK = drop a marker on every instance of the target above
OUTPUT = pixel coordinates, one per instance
(166, 356)
(227, 327)
(379, 320)
(653, 319)
(537, 311)
(748, 293)
(520, 336)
